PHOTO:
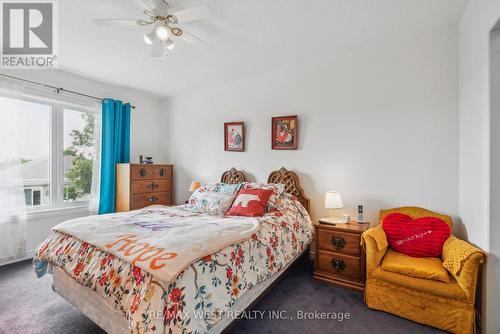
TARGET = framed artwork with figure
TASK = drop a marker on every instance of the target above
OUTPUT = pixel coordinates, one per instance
(234, 136)
(285, 132)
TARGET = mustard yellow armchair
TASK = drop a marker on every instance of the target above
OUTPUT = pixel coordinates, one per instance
(438, 292)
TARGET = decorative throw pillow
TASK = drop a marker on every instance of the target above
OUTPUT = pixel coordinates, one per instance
(214, 203)
(227, 188)
(209, 187)
(421, 237)
(250, 202)
(278, 190)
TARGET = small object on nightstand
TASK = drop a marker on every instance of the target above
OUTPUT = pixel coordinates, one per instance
(339, 258)
(360, 214)
(345, 218)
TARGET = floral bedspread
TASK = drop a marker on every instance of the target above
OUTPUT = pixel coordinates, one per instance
(202, 294)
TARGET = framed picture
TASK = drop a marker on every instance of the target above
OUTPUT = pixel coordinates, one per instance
(285, 131)
(234, 136)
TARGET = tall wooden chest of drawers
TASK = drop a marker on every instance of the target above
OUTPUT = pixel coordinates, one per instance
(339, 258)
(139, 185)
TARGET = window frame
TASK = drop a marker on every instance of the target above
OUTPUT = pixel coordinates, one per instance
(56, 148)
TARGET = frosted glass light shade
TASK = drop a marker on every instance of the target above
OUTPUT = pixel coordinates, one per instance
(194, 185)
(149, 38)
(333, 200)
(162, 32)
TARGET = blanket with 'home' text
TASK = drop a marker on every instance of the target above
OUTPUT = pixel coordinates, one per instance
(160, 240)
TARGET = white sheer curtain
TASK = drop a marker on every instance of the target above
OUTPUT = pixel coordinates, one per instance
(12, 201)
(96, 162)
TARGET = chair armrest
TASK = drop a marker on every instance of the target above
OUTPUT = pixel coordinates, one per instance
(374, 242)
(463, 261)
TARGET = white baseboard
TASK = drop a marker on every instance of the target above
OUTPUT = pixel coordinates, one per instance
(29, 255)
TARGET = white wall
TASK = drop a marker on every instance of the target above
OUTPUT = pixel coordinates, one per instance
(481, 224)
(147, 135)
(475, 26)
(493, 283)
(378, 123)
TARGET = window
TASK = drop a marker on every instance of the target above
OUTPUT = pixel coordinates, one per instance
(79, 148)
(58, 150)
(35, 151)
(36, 198)
(28, 196)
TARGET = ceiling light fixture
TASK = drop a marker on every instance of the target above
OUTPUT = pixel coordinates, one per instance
(164, 27)
(159, 49)
(149, 38)
(162, 32)
(169, 44)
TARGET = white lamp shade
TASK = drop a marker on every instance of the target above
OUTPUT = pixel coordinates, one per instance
(333, 200)
(194, 185)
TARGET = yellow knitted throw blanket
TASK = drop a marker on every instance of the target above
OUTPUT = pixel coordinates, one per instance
(378, 234)
(456, 253)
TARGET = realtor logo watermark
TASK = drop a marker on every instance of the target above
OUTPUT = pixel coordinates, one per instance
(29, 34)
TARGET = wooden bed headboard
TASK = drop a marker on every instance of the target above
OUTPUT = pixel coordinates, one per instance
(292, 184)
(232, 176)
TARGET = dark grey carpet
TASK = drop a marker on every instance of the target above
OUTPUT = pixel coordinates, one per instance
(28, 305)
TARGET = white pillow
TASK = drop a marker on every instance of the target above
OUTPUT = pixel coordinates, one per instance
(214, 203)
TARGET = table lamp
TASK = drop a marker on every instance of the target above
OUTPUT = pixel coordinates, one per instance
(333, 201)
(194, 185)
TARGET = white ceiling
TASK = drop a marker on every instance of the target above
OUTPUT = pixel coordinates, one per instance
(249, 37)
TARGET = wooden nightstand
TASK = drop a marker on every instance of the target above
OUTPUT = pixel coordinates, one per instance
(339, 258)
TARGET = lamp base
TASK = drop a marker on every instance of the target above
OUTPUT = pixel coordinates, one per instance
(332, 221)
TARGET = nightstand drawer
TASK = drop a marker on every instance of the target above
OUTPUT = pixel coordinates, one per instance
(338, 265)
(336, 241)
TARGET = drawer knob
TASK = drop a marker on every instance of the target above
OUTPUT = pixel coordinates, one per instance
(152, 186)
(152, 199)
(337, 242)
(163, 172)
(338, 265)
(142, 172)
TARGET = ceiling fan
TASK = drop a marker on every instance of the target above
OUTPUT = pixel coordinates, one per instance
(165, 25)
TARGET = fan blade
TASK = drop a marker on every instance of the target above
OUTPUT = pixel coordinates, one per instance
(194, 14)
(194, 41)
(158, 6)
(145, 4)
(116, 22)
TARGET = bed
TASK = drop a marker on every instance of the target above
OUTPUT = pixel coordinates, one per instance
(207, 294)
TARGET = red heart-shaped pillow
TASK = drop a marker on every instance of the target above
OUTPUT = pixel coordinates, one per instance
(422, 237)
